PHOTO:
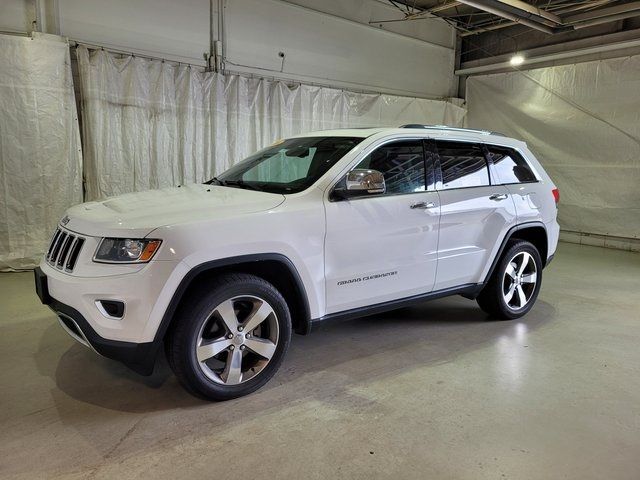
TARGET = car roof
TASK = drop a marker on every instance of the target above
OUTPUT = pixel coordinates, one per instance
(435, 131)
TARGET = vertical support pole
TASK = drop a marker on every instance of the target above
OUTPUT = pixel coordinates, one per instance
(211, 65)
(222, 40)
(460, 83)
(215, 57)
(40, 16)
(57, 27)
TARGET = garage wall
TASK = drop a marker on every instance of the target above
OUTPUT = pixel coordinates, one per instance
(583, 123)
(16, 16)
(326, 42)
(326, 49)
(149, 123)
(159, 28)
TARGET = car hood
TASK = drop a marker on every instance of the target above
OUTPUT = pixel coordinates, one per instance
(137, 214)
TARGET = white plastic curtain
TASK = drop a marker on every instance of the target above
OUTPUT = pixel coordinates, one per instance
(150, 124)
(40, 158)
(583, 123)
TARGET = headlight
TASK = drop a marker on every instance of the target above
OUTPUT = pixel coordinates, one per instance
(126, 250)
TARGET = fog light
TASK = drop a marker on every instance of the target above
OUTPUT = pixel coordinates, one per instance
(111, 308)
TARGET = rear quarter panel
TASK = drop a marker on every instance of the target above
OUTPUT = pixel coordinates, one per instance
(535, 202)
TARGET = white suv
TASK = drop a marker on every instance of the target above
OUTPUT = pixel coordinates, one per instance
(326, 225)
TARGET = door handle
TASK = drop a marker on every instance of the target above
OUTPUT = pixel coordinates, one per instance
(498, 196)
(423, 205)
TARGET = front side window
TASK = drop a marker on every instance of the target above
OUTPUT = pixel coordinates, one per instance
(289, 166)
(509, 166)
(462, 165)
(401, 163)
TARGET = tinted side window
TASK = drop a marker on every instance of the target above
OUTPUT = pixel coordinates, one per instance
(509, 165)
(401, 163)
(462, 165)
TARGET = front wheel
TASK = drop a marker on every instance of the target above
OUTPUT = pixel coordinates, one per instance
(514, 285)
(232, 339)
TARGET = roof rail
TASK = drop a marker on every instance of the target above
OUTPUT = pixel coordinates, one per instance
(453, 129)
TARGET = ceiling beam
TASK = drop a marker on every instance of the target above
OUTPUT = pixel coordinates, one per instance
(602, 12)
(559, 10)
(522, 19)
(610, 18)
(610, 45)
(526, 7)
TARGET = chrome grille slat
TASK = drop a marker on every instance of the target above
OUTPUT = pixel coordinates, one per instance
(55, 244)
(52, 244)
(64, 250)
(56, 249)
(64, 243)
(73, 254)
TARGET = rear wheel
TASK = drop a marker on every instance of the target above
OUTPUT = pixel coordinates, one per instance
(231, 340)
(514, 285)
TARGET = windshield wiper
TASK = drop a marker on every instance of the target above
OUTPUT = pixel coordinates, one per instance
(233, 183)
(215, 180)
(241, 184)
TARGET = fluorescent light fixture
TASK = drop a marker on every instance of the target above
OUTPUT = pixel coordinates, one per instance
(516, 60)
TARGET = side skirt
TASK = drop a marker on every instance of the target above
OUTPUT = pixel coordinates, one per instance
(468, 291)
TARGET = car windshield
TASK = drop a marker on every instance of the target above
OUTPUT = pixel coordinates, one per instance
(288, 166)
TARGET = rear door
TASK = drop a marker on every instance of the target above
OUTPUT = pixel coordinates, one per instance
(384, 247)
(475, 213)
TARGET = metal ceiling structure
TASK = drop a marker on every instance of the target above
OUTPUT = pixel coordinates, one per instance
(472, 17)
(541, 32)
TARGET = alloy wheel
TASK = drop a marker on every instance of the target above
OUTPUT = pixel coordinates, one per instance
(519, 282)
(237, 340)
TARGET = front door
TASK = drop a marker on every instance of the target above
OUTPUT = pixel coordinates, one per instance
(383, 247)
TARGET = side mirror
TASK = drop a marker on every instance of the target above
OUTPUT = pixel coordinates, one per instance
(365, 181)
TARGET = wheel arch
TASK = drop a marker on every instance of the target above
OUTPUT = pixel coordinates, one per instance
(536, 235)
(275, 268)
(533, 232)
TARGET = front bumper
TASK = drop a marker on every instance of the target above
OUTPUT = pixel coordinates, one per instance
(140, 357)
(144, 293)
(131, 339)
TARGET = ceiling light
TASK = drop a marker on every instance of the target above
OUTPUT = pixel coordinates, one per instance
(516, 60)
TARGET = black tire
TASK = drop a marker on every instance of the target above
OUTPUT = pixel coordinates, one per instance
(492, 298)
(197, 314)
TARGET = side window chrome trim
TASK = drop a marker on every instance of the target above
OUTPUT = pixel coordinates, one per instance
(385, 195)
(467, 188)
(519, 183)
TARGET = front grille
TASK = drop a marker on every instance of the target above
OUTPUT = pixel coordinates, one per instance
(64, 250)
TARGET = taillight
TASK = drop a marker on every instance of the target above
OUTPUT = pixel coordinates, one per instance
(556, 195)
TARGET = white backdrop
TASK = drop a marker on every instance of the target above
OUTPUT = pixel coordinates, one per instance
(583, 123)
(150, 124)
(40, 158)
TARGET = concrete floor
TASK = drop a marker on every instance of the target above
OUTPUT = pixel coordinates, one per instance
(435, 391)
